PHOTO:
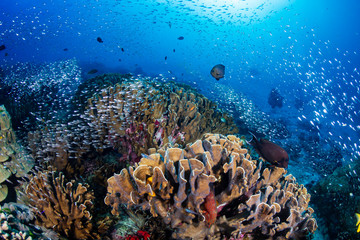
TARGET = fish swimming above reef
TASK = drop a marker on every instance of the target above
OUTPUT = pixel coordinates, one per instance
(218, 71)
(99, 40)
(270, 151)
(92, 71)
(275, 99)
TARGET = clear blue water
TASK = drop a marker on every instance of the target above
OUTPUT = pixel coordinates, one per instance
(309, 51)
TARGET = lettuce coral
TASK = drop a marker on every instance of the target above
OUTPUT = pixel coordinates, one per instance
(138, 114)
(213, 189)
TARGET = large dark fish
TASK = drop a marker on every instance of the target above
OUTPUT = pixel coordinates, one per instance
(2, 47)
(92, 71)
(181, 38)
(218, 71)
(270, 151)
(99, 40)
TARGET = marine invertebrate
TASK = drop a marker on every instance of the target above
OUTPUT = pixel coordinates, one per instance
(16, 223)
(180, 186)
(138, 114)
(13, 159)
(62, 206)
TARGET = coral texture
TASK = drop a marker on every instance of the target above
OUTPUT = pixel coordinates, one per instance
(213, 189)
(13, 159)
(139, 114)
(16, 224)
(63, 207)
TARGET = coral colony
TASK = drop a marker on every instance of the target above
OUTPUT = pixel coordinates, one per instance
(140, 158)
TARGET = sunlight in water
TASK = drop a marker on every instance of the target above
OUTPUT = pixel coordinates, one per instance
(233, 10)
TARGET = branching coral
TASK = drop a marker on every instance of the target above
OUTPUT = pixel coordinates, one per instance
(213, 189)
(64, 207)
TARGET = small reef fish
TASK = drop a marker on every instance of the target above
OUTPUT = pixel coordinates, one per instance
(357, 221)
(181, 38)
(99, 40)
(218, 71)
(92, 71)
(65, 49)
(2, 47)
(270, 151)
(122, 49)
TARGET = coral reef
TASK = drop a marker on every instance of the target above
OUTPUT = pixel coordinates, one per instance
(62, 206)
(16, 224)
(213, 189)
(139, 114)
(13, 159)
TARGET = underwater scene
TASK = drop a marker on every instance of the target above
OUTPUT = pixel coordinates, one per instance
(183, 119)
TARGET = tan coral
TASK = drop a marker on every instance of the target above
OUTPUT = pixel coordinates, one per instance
(176, 183)
(147, 114)
(61, 206)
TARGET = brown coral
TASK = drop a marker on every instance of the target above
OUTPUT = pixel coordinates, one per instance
(139, 114)
(176, 183)
(63, 207)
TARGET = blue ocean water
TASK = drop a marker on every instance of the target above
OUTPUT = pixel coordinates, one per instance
(308, 50)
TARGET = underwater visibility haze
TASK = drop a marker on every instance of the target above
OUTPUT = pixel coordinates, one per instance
(189, 119)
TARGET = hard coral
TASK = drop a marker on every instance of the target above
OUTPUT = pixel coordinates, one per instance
(16, 224)
(13, 159)
(139, 114)
(213, 189)
(64, 207)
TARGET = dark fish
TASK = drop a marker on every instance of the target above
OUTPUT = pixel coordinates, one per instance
(92, 71)
(275, 99)
(270, 151)
(174, 50)
(65, 49)
(6, 54)
(181, 38)
(122, 49)
(218, 71)
(119, 59)
(99, 40)
(165, 58)
(2, 47)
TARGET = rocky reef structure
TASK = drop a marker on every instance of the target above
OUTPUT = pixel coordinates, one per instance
(62, 206)
(139, 114)
(213, 189)
(13, 159)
